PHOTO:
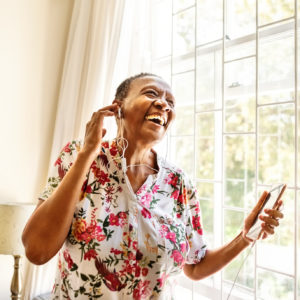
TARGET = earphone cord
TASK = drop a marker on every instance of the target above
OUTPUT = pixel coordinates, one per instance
(124, 149)
(236, 277)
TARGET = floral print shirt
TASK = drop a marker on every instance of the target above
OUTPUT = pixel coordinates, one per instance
(121, 244)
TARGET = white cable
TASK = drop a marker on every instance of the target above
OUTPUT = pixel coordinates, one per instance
(124, 148)
(236, 277)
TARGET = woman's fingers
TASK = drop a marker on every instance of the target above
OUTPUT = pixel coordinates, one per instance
(94, 130)
(269, 220)
(267, 228)
(274, 213)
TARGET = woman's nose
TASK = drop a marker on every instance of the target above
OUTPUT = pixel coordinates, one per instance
(162, 104)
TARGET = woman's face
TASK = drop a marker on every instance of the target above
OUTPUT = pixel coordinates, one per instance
(148, 110)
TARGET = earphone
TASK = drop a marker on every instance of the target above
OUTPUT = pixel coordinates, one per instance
(123, 159)
(119, 112)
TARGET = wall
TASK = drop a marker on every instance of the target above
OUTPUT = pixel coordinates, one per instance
(33, 35)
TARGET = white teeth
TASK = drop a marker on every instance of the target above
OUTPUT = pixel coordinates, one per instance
(156, 117)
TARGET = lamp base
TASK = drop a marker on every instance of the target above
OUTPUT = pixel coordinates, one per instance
(15, 286)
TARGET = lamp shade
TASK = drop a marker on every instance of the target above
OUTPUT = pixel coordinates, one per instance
(13, 217)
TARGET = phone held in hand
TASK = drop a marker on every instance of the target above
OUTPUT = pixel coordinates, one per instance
(271, 202)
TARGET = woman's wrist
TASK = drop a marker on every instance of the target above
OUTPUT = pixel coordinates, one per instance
(245, 240)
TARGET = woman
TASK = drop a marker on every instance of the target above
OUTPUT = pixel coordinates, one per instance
(124, 226)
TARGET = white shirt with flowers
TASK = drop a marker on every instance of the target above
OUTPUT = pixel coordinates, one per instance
(121, 244)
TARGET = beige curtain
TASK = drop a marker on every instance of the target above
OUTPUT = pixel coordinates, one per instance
(87, 78)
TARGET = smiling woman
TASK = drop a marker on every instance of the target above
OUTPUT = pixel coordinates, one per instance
(124, 220)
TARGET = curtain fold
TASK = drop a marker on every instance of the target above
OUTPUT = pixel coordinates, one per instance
(89, 60)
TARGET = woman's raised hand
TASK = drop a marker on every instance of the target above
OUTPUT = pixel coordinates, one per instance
(94, 131)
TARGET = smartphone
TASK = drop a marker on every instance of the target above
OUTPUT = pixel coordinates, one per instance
(271, 202)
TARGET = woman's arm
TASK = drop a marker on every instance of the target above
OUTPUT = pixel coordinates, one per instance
(215, 260)
(48, 227)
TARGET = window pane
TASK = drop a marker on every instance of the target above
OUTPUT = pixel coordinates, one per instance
(246, 276)
(239, 98)
(239, 292)
(182, 153)
(181, 4)
(183, 89)
(205, 193)
(239, 48)
(281, 244)
(209, 77)
(274, 286)
(276, 80)
(272, 11)
(162, 67)
(208, 140)
(161, 29)
(239, 175)
(240, 18)
(183, 40)
(233, 221)
(276, 145)
(209, 195)
(209, 20)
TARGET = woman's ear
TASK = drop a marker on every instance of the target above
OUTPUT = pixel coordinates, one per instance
(119, 111)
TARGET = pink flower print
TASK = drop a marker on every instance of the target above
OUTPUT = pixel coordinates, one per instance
(175, 194)
(105, 144)
(162, 231)
(196, 222)
(142, 290)
(113, 220)
(90, 254)
(155, 188)
(177, 257)
(68, 259)
(58, 162)
(162, 279)
(146, 213)
(113, 150)
(122, 215)
(183, 247)
(172, 179)
(171, 236)
(146, 199)
(144, 271)
(67, 148)
(115, 251)
(164, 228)
(141, 189)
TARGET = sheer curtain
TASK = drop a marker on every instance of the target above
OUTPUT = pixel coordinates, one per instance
(108, 41)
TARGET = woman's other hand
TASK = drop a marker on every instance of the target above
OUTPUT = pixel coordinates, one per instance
(94, 131)
(270, 219)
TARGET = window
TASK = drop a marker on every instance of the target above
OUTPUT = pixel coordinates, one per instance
(233, 66)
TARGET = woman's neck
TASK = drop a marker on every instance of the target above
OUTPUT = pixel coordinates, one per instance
(137, 153)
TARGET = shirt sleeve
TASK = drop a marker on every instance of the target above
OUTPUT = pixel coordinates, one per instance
(60, 167)
(194, 230)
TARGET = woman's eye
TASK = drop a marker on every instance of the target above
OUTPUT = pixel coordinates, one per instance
(153, 93)
(171, 103)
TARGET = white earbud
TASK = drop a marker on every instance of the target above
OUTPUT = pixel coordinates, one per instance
(119, 112)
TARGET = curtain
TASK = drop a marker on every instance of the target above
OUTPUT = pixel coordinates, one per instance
(87, 77)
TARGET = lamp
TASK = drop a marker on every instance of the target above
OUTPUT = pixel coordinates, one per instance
(13, 217)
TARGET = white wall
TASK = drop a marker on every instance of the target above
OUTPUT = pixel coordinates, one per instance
(33, 35)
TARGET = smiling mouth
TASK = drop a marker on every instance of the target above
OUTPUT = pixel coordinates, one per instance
(157, 119)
